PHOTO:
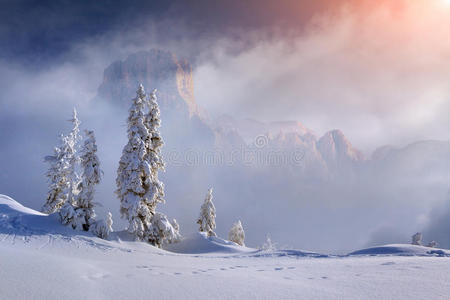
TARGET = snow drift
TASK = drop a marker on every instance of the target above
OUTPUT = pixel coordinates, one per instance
(200, 243)
(402, 250)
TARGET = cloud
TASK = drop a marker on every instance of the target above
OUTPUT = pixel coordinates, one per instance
(380, 75)
(438, 227)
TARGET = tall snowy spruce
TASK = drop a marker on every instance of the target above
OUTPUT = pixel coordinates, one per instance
(138, 186)
(237, 234)
(62, 176)
(80, 213)
(207, 218)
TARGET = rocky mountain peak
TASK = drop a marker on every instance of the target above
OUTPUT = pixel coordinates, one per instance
(154, 69)
(249, 129)
(335, 147)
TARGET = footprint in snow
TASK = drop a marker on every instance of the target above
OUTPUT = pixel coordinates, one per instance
(97, 276)
(142, 267)
(389, 263)
(279, 269)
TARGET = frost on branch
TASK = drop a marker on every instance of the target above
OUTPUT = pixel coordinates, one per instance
(237, 234)
(207, 218)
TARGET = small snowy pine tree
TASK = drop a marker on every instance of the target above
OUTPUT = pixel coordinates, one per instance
(207, 218)
(70, 215)
(237, 234)
(103, 228)
(268, 245)
(417, 239)
(161, 231)
(432, 244)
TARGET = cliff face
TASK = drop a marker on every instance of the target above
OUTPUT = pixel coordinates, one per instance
(182, 124)
(154, 69)
(335, 148)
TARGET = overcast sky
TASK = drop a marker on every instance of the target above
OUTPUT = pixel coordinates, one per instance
(378, 71)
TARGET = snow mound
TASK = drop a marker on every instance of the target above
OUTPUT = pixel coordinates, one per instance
(401, 250)
(20, 220)
(200, 243)
(11, 207)
(288, 253)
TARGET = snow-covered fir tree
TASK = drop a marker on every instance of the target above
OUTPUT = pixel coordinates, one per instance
(68, 212)
(103, 228)
(58, 177)
(138, 186)
(207, 218)
(432, 244)
(268, 244)
(80, 213)
(62, 176)
(237, 234)
(161, 231)
(417, 239)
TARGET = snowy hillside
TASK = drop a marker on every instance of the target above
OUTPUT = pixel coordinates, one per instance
(41, 259)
